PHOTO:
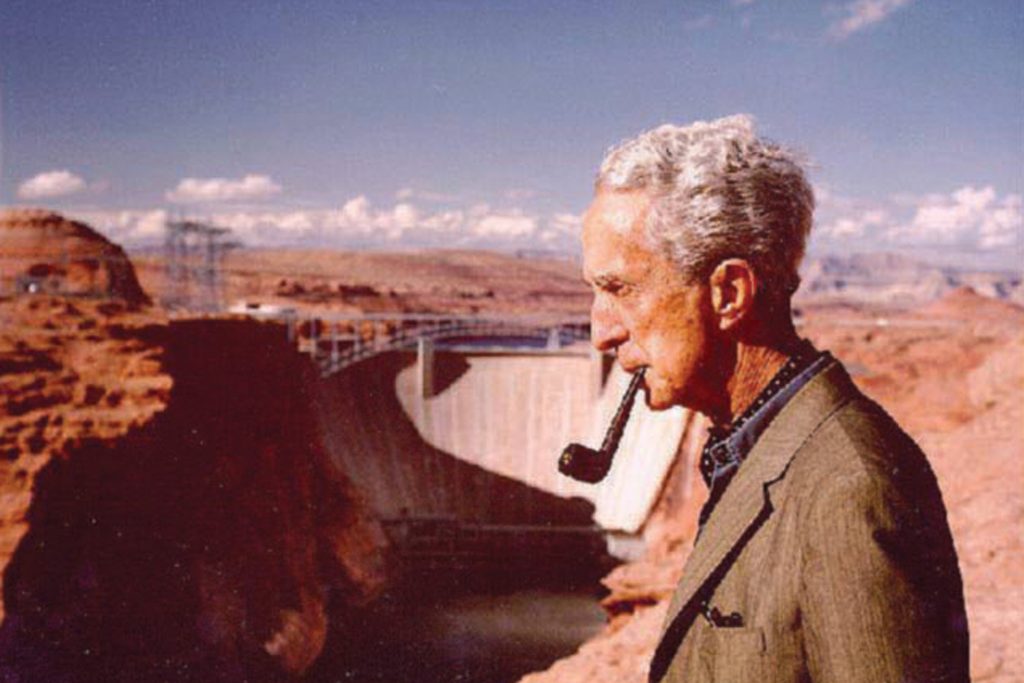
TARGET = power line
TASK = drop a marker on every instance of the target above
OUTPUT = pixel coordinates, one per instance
(193, 252)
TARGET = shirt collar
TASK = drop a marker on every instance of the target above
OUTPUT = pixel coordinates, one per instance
(727, 447)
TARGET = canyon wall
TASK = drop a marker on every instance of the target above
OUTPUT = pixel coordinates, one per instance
(180, 518)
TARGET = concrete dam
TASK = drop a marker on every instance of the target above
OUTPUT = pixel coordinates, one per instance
(454, 443)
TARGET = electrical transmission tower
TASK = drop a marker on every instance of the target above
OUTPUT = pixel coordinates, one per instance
(193, 252)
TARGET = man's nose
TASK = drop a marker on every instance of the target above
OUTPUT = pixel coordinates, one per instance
(606, 329)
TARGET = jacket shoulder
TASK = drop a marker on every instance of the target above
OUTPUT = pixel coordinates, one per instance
(860, 440)
(860, 462)
(876, 552)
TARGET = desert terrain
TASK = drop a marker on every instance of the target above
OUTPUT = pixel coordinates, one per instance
(459, 282)
(120, 452)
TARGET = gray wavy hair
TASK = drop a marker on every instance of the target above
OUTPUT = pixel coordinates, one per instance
(719, 191)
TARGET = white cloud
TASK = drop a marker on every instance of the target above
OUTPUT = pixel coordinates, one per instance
(972, 216)
(358, 223)
(147, 224)
(566, 223)
(142, 226)
(51, 184)
(296, 222)
(444, 222)
(505, 225)
(196, 190)
(408, 223)
(405, 216)
(356, 210)
(971, 221)
(1002, 226)
(861, 14)
(857, 225)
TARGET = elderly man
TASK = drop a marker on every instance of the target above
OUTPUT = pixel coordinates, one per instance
(824, 553)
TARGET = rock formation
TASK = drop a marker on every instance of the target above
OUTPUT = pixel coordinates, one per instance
(41, 251)
(896, 280)
(168, 508)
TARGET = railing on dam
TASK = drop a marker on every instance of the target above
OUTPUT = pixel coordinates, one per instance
(336, 341)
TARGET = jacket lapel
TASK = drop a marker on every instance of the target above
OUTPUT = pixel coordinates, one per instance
(747, 499)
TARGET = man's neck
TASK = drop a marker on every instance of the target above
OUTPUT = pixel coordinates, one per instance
(754, 368)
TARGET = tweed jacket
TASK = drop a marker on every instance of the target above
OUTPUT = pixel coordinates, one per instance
(828, 558)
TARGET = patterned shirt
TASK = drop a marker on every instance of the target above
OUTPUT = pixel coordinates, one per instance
(727, 447)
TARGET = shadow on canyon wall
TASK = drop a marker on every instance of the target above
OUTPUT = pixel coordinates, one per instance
(220, 541)
(201, 546)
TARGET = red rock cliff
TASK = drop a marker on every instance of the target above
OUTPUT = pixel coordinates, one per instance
(168, 508)
(42, 251)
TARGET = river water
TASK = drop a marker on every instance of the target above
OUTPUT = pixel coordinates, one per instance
(468, 638)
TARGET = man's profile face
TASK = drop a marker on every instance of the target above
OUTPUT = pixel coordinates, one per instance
(643, 309)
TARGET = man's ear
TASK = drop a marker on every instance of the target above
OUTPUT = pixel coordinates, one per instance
(733, 285)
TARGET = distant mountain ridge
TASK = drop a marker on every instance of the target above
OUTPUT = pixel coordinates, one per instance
(898, 280)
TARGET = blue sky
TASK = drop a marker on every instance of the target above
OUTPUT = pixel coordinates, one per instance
(419, 123)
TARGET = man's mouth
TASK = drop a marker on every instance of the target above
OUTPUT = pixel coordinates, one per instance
(633, 369)
(646, 373)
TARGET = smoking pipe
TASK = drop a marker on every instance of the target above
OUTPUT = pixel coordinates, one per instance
(586, 464)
